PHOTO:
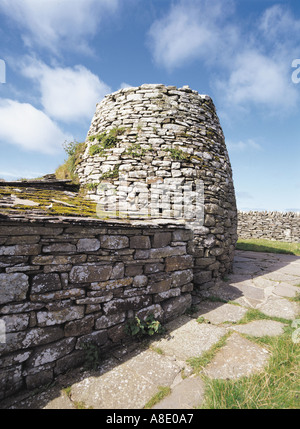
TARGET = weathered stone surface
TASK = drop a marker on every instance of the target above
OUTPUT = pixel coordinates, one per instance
(140, 281)
(260, 328)
(48, 318)
(13, 287)
(183, 262)
(96, 337)
(161, 239)
(164, 252)
(279, 307)
(107, 321)
(90, 273)
(173, 307)
(17, 322)
(60, 247)
(217, 312)
(10, 381)
(186, 395)
(238, 358)
(114, 242)
(121, 305)
(88, 245)
(45, 283)
(20, 250)
(52, 352)
(140, 242)
(111, 284)
(40, 336)
(79, 327)
(197, 338)
(141, 375)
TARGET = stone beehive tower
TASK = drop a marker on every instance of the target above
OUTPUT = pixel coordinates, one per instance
(156, 135)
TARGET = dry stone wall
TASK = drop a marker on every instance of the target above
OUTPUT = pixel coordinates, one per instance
(166, 137)
(269, 225)
(67, 283)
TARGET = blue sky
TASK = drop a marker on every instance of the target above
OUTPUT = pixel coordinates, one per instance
(61, 57)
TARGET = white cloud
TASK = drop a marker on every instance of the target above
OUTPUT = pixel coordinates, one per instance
(190, 30)
(58, 23)
(242, 146)
(259, 79)
(23, 125)
(67, 94)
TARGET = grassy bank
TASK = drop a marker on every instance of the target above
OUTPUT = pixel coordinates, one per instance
(260, 245)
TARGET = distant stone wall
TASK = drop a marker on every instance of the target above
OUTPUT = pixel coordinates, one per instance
(269, 225)
(67, 283)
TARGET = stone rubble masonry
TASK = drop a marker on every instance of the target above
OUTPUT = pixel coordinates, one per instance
(82, 286)
(278, 226)
(173, 136)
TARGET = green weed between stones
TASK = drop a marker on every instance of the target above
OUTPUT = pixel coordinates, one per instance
(105, 141)
(92, 356)
(139, 328)
(160, 395)
(74, 151)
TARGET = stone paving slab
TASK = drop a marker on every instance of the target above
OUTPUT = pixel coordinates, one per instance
(238, 358)
(260, 328)
(216, 312)
(141, 376)
(279, 307)
(286, 290)
(190, 340)
(186, 395)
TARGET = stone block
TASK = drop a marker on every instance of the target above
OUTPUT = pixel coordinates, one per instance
(90, 273)
(20, 250)
(154, 268)
(161, 239)
(10, 381)
(16, 322)
(41, 336)
(48, 318)
(60, 248)
(97, 337)
(88, 245)
(52, 352)
(117, 333)
(107, 321)
(79, 327)
(174, 307)
(114, 242)
(133, 270)
(167, 251)
(45, 283)
(111, 284)
(180, 278)
(140, 281)
(117, 271)
(201, 277)
(57, 296)
(140, 242)
(13, 287)
(175, 263)
(121, 305)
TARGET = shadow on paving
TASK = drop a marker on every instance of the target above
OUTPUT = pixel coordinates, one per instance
(255, 277)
